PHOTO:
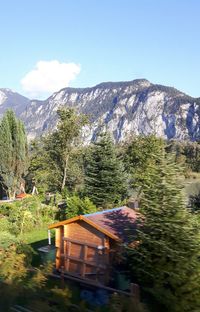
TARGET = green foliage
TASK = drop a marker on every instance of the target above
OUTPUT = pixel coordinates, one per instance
(43, 170)
(7, 239)
(15, 257)
(63, 141)
(26, 250)
(119, 303)
(140, 154)
(23, 220)
(194, 202)
(6, 150)
(12, 265)
(4, 224)
(186, 153)
(56, 160)
(77, 206)
(13, 152)
(61, 296)
(53, 300)
(18, 283)
(21, 217)
(105, 179)
(166, 261)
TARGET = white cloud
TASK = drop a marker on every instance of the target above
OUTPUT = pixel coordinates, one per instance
(48, 77)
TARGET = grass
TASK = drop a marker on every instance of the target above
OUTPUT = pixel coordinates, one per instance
(38, 238)
(36, 235)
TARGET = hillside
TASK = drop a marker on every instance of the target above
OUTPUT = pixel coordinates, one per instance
(122, 108)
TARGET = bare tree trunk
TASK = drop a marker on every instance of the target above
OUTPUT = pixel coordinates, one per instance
(34, 191)
(14, 194)
(9, 194)
(65, 172)
(22, 224)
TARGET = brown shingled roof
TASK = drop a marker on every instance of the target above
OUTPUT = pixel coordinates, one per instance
(121, 221)
(118, 223)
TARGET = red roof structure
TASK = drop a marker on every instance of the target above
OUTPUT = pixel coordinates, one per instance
(118, 223)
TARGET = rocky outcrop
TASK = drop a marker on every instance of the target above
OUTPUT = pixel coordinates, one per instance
(123, 108)
(15, 101)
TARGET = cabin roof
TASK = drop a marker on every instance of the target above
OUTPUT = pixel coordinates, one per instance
(116, 223)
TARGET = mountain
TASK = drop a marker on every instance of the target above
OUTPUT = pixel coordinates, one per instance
(123, 108)
(10, 99)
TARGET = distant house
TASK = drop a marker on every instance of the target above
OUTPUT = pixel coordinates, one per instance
(87, 245)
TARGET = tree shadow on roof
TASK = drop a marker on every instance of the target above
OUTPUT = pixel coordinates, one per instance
(123, 224)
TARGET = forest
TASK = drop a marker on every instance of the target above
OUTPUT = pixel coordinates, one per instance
(57, 177)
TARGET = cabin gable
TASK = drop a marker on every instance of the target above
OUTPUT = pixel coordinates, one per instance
(84, 232)
(82, 250)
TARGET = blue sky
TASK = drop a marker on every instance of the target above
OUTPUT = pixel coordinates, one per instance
(91, 41)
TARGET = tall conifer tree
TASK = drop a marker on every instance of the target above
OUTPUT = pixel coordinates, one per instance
(140, 155)
(105, 180)
(166, 261)
(13, 152)
(6, 152)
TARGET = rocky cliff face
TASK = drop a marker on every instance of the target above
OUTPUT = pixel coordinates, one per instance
(123, 108)
(10, 99)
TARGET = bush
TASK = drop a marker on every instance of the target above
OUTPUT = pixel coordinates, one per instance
(119, 303)
(7, 239)
(77, 206)
(4, 224)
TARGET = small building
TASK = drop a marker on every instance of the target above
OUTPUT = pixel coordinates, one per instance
(87, 245)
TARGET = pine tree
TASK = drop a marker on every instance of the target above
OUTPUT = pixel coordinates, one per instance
(166, 261)
(13, 152)
(140, 155)
(6, 151)
(21, 148)
(105, 180)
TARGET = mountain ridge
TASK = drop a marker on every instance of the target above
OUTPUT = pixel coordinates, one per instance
(123, 108)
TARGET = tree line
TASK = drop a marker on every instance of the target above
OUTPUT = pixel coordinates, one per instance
(163, 257)
(105, 172)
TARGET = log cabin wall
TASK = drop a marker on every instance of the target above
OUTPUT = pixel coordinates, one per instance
(83, 250)
(84, 232)
(91, 245)
(59, 245)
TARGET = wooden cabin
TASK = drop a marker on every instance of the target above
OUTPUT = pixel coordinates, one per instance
(87, 245)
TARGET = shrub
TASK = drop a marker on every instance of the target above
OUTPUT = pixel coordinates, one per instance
(77, 206)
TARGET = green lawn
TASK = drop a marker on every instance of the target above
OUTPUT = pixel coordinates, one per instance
(38, 238)
(36, 235)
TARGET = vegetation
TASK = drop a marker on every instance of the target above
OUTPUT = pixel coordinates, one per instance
(21, 217)
(105, 177)
(194, 202)
(186, 154)
(140, 157)
(77, 206)
(13, 153)
(74, 179)
(56, 160)
(166, 260)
